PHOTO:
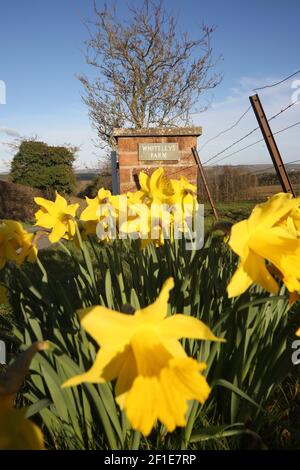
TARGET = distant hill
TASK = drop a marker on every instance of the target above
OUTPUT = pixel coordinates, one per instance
(256, 169)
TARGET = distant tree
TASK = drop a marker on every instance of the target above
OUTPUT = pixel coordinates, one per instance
(45, 167)
(229, 184)
(149, 74)
(102, 180)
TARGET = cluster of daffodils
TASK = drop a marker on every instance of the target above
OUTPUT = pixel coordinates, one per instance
(155, 212)
(155, 378)
(161, 207)
(268, 245)
(17, 432)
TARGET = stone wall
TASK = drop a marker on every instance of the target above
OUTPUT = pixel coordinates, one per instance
(130, 165)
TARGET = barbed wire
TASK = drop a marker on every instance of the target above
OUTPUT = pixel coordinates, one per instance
(254, 143)
(226, 130)
(248, 109)
(277, 83)
(290, 163)
(230, 146)
(283, 110)
(290, 105)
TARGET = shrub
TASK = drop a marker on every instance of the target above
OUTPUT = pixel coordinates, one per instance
(16, 201)
(44, 167)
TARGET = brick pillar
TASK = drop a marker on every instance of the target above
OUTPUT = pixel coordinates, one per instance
(128, 148)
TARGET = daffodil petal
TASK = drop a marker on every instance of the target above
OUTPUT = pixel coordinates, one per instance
(107, 327)
(239, 237)
(58, 232)
(60, 202)
(90, 213)
(144, 181)
(159, 309)
(279, 249)
(267, 214)
(255, 267)
(93, 375)
(154, 179)
(48, 205)
(184, 326)
(71, 209)
(239, 283)
(44, 220)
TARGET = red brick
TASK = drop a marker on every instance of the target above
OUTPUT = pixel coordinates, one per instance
(124, 188)
(190, 172)
(128, 158)
(187, 158)
(184, 143)
(130, 144)
(125, 175)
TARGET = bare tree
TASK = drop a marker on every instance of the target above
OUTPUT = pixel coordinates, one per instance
(149, 74)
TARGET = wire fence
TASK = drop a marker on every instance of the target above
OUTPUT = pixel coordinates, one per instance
(218, 175)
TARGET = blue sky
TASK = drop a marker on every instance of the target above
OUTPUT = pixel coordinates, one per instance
(42, 50)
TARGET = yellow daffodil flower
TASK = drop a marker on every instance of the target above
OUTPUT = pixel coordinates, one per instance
(91, 212)
(155, 377)
(184, 200)
(98, 210)
(146, 222)
(266, 236)
(15, 243)
(159, 206)
(58, 216)
(183, 191)
(155, 188)
(17, 432)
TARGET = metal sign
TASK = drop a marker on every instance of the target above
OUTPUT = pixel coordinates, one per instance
(153, 152)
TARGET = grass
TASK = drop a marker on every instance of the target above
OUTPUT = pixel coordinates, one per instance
(282, 427)
(227, 211)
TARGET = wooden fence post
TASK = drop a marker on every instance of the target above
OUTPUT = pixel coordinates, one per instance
(271, 145)
(205, 183)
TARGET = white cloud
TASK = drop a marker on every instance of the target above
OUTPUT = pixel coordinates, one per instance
(9, 132)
